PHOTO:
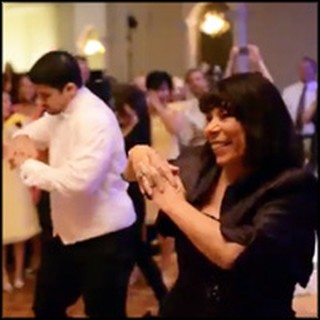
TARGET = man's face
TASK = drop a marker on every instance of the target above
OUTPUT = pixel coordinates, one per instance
(306, 71)
(55, 101)
(198, 83)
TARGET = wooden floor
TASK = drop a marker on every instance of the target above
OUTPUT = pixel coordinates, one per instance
(140, 300)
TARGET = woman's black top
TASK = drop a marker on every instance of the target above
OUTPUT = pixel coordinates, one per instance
(273, 214)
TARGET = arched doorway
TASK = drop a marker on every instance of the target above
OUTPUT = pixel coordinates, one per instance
(214, 50)
(193, 15)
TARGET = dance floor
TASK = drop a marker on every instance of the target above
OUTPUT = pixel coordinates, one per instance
(17, 304)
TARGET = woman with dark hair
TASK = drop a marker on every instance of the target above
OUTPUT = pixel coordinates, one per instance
(242, 208)
(132, 113)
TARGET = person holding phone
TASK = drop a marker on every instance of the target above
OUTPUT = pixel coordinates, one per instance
(256, 63)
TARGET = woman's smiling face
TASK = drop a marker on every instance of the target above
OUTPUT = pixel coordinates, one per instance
(226, 137)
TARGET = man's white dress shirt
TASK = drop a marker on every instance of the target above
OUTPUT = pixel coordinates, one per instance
(291, 96)
(86, 158)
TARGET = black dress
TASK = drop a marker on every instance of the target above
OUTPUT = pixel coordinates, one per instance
(273, 214)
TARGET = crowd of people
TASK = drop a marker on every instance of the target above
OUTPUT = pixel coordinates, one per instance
(225, 171)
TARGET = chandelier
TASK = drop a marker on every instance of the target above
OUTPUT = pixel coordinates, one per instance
(214, 24)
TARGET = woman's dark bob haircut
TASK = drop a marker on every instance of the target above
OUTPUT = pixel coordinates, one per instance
(256, 103)
(55, 69)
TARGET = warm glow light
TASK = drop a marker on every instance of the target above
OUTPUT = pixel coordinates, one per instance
(89, 42)
(214, 24)
(92, 47)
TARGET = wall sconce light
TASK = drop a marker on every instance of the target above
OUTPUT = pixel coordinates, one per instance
(214, 24)
(89, 42)
(93, 46)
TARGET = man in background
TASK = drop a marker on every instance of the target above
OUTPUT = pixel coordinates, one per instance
(300, 100)
(95, 81)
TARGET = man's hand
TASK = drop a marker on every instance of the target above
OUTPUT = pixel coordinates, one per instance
(20, 149)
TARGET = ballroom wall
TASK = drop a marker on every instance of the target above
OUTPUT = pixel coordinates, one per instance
(283, 31)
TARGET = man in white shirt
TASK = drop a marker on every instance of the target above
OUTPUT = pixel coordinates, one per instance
(191, 133)
(91, 251)
(292, 96)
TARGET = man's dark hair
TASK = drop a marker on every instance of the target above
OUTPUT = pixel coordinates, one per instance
(271, 140)
(55, 69)
(155, 80)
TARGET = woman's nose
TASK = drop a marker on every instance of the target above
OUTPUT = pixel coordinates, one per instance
(213, 126)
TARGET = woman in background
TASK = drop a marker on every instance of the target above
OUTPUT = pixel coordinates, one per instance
(26, 104)
(133, 116)
(19, 217)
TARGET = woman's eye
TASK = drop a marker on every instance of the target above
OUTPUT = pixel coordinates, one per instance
(224, 114)
(209, 117)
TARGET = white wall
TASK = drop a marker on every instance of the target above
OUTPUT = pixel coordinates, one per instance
(157, 42)
(116, 40)
(165, 30)
(28, 32)
(32, 29)
(91, 14)
(283, 31)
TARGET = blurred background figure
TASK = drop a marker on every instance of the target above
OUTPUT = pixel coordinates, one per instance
(96, 81)
(27, 104)
(301, 101)
(26, 98)
(179, 89)
(313, 163)
(191, 133)
(197, 83)
(140, 83)
(8, 78)
(300, 98)
(165, 125)
(132, 113)
(19, 217)
(255, 61)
